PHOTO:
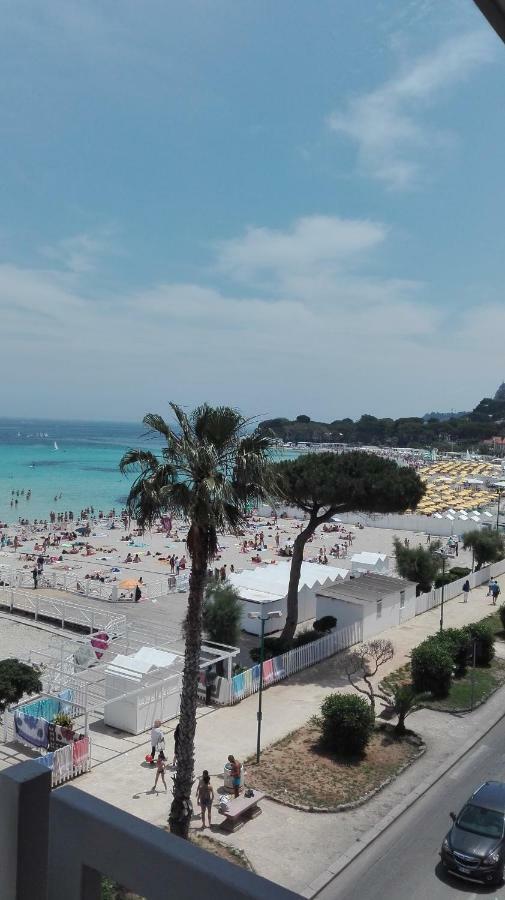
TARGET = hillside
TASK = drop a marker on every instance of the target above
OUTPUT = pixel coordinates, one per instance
(486, 421)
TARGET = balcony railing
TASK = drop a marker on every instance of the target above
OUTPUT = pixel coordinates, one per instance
(58, 846)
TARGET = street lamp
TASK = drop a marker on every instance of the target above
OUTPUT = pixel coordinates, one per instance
(500, 485)
(444, 556)
(274, 614)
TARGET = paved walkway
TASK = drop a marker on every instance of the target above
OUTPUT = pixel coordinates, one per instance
(283, 844)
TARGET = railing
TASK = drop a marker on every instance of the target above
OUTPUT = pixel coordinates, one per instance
(58, 845)
(63, 613)
(280, 667)
(76, 583)
(434, 598)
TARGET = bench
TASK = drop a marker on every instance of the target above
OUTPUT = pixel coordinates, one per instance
(240, 807)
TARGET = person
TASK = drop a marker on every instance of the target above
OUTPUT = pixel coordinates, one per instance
(496, 592)
(157, 737)
(236, 769)
(35, 576)
(492, 582)
(138, 593)
(176, 744)
(466, 590)
(160, 770)
(205, 796)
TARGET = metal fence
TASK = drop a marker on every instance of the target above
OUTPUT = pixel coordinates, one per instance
(63, 613)
(77, 583)
(274, 670)
(57, 847)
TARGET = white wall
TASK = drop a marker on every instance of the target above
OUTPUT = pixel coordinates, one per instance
(253, 626)
(345, 613)
(415, 522)
(391, 615)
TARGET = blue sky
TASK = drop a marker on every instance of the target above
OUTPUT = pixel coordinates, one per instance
(287, 206)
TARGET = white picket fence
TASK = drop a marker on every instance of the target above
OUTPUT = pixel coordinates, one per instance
(280, 667)
(434, 598)
(61, 612)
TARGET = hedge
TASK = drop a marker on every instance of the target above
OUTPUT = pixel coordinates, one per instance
(347, 724)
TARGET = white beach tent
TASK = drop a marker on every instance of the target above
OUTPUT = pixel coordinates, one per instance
(141, 688)
(369, 562)
(265, 589)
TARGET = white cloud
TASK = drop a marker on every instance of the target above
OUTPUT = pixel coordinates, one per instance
(80, 253)
(387, 124)
(347, 342)
(311, 244)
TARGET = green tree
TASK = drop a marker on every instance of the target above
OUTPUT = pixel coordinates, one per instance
(487, 546)
(222, 613)
(347, 724)
(208, 471)
(363, 663)
(418, 564)
(16, 680)
(323, 484)
(405, 700)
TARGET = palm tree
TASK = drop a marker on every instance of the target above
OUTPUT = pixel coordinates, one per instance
(208, 472)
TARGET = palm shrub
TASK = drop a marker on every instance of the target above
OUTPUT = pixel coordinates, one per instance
(482, 633)
(404, 702)
(208, 472)
(431, 667)
(347, 724)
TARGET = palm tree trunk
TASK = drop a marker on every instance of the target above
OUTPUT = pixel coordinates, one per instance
(181, 809)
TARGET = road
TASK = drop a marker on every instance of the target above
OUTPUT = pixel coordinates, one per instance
(403, 864)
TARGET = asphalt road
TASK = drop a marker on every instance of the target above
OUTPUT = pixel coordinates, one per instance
(403, 864)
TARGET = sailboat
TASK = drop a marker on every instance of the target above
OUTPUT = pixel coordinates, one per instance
(56, 446)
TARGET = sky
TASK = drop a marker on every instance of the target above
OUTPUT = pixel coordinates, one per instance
(292, 206)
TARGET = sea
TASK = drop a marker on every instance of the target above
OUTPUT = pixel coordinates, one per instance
(67, 465)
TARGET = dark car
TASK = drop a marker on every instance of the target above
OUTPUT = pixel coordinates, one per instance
(474, 848)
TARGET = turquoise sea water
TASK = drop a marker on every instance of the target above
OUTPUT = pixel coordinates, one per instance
(83, 468)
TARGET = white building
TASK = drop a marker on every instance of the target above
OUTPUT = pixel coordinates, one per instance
(142, 687)
(376, 563)
(376, 602)
(265, 589)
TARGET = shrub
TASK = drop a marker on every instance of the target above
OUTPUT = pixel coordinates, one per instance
(347, 724)
(431, 667)
(222, 613)
(444, 579)
(274, 646)
(325, 624)
(457, 643)
(501, 613)
(64, 720)
(483, 633)
(460, 571)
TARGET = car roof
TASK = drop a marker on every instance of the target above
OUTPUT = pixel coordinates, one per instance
(490, 795)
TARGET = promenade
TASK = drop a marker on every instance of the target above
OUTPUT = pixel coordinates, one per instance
(284, 844)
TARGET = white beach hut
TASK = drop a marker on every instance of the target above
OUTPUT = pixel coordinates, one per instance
(369, 562)
(265, 589)
(141, 688)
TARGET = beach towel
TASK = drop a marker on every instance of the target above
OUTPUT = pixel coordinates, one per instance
(256, 675)
(62, 764)
(43, 708)
(66, 695)
(31, 729)
(80, 752)
(248, 681)
(279, 670)
(268, 671)
(238, 685)
(47, 760)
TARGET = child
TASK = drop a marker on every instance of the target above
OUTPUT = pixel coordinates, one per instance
(205, 796)
(160, 770)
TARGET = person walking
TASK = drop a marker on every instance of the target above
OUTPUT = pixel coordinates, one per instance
(160, 770)
(35, 576)
(205, 796)
(496, 592)
(490, 586)
(466, 591)
(138, 593)
(236, 769)
(157, 739)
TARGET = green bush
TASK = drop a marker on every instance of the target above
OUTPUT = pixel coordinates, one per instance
(460, 571)
(444, 579)
(457, 643)
(274, 646)
(501, 613)
(347, 724)
(483, 633)
(431, 666)
(325, 624)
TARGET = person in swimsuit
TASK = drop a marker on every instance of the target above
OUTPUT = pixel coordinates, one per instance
(235, 773)
(205, 796)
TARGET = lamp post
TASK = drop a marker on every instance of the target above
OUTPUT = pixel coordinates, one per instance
(274, 614)
(500, 492)
(444, 556)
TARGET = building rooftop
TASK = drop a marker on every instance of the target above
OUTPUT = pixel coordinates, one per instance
(366, 589)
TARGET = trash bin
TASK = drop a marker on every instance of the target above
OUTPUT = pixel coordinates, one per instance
(228, 780)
